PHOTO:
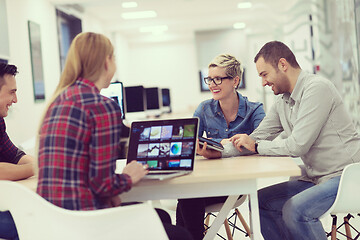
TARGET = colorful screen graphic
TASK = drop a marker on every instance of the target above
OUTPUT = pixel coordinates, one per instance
(164, 144)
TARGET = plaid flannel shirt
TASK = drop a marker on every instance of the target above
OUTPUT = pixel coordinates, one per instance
(78, 148)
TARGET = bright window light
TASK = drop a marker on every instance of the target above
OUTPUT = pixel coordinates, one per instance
(154, 29)
(129, 4)
(138, 15)
(239, 25)
(244, 5)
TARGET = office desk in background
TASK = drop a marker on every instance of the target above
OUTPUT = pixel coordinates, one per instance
(214, 177)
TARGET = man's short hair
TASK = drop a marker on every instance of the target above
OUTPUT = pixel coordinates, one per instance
(6, 69)
(230, 63)
(273, 51)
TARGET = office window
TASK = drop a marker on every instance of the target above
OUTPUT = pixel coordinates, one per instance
(68, 27)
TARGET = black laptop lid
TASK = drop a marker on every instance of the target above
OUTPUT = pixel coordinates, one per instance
(164, 144)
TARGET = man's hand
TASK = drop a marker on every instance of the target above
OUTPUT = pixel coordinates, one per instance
(225, 141)
(208, 153)
(243, 140)
(135, 170)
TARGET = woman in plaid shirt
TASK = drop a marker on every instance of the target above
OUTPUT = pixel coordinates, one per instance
(80, 133)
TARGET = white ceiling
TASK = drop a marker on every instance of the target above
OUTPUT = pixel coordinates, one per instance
(184, 17)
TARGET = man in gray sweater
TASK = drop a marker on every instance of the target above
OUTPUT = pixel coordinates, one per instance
(315, 126)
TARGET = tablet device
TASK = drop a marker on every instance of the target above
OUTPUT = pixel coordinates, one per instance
(211, 144)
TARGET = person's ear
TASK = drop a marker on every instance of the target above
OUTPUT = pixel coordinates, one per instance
(283, 65)
(236, 82)
(107, 62)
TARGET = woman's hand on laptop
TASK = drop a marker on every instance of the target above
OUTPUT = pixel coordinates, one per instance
(135, 170)
(208, 153)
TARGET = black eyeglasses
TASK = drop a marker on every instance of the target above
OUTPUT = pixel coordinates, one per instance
(216, 80)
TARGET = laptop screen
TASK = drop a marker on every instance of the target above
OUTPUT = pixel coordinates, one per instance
(164, 144)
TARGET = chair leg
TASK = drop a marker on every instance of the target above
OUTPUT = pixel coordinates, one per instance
(228, 231)
(347, 227)
(333, 227)
(207, 222)
(243, 222)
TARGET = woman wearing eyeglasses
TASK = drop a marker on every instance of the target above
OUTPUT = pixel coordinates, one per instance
(226, 114)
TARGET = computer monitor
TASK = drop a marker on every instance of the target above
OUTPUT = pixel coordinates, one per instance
(153, 101)
(135, 102)
(115, 91)
(166, 101)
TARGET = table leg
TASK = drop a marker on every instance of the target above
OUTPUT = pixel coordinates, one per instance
(222, 215)
(254, 216)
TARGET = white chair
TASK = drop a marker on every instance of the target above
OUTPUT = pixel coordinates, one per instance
(209, 210)
(347, 199)
(36, 218)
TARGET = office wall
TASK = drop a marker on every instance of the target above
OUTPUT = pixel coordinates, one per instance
(4, 37)
(337, 51)
(24, 116)
(171, 64)
(235, 42)
(176, 65)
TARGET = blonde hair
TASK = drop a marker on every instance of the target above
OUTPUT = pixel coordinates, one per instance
(232, 66)
(86, 58)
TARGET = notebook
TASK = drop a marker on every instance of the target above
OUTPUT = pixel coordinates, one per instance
(168, 147)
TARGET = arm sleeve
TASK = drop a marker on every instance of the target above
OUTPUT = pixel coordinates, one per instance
(231, 151)
(106, 126)
(8, 151)
(314, 109)
(19, 155)
(199, 113)
(258, 116)
(270, 127)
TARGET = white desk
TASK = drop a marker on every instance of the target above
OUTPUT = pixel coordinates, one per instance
(219, 177)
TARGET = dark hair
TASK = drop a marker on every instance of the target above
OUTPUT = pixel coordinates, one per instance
(273, 51)
(6, 69)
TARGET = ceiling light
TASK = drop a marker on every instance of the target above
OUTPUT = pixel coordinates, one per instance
(154, 29)
(129, 4)
(138, 15)
(239, 25)
(244, 5)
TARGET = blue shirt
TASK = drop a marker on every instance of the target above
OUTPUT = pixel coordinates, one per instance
(212, 120)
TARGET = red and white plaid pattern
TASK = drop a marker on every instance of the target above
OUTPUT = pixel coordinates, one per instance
(78, 148)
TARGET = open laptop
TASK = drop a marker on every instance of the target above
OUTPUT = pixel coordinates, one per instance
(168, 147)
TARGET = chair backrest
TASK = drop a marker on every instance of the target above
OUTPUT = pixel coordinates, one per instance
(36, 218)
(348, 196)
